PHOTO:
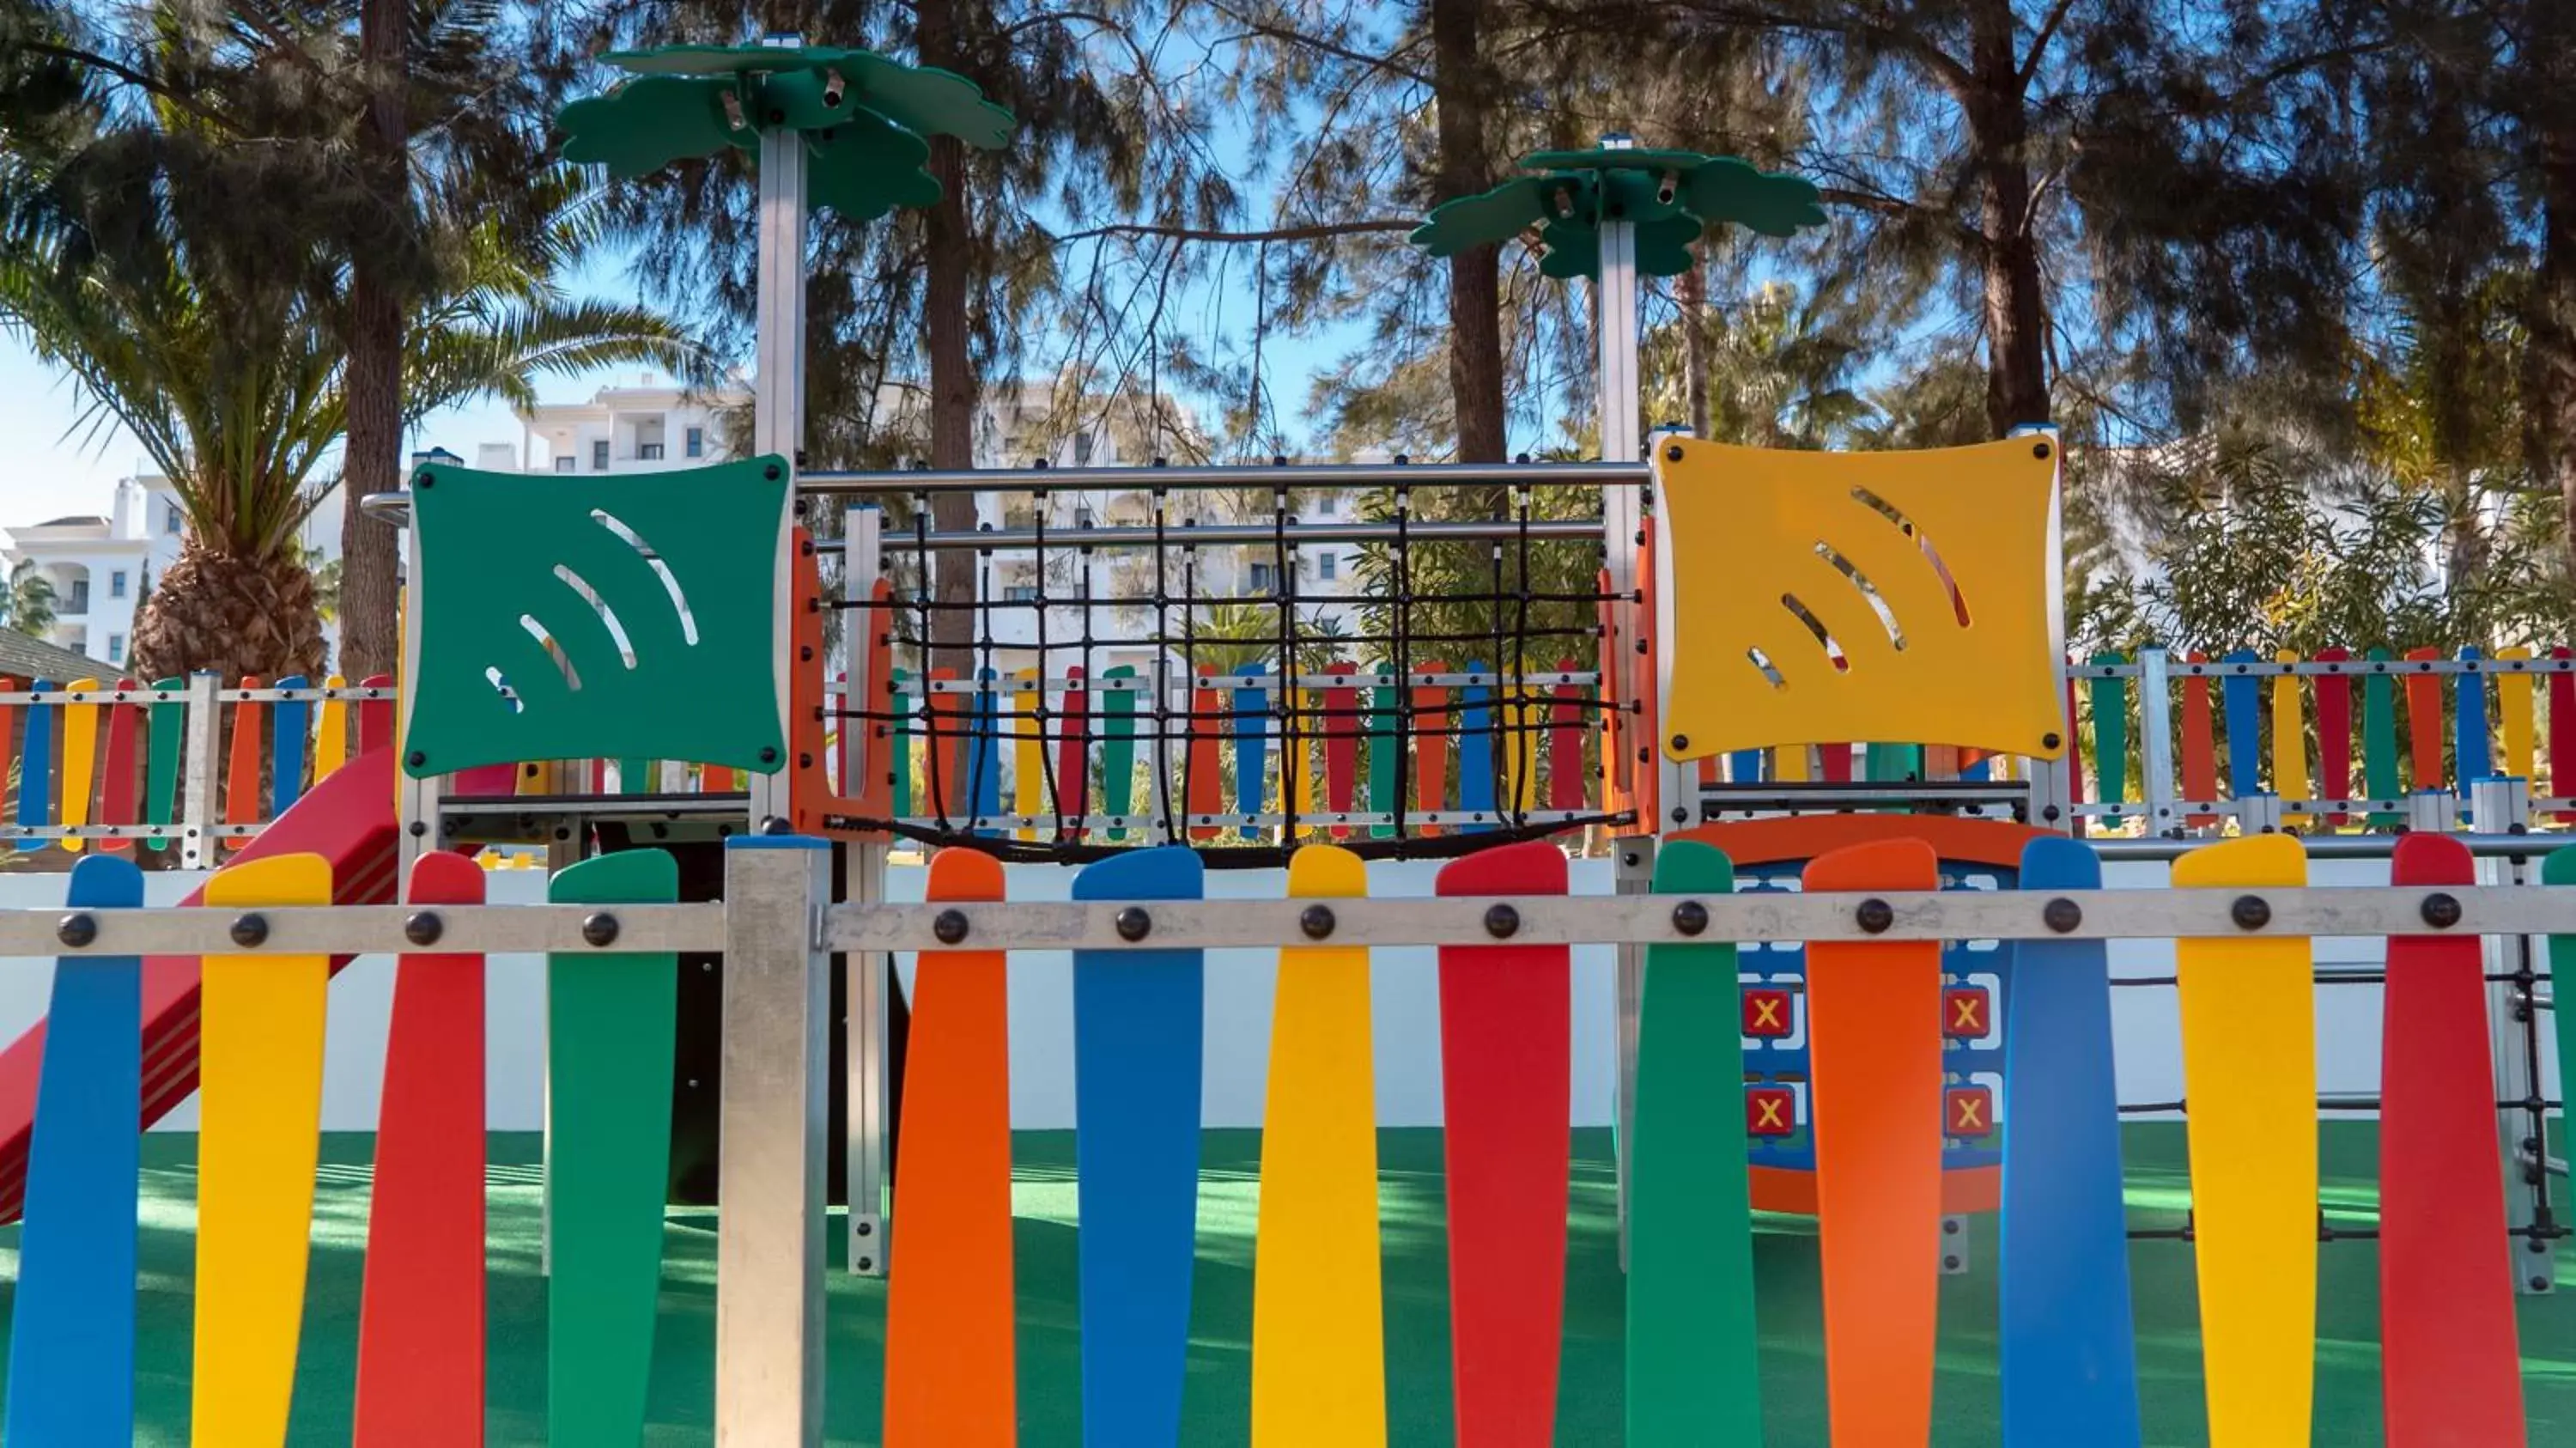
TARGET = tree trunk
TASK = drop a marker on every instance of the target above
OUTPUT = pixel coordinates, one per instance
(1463, 93)
(1690, 290)
(2015, 310)
(373, 459)
(2549, 358)
(945, 326)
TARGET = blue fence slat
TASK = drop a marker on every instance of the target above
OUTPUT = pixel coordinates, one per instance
(1251, 746)
(2241, 698)
(290, 735)
(1476, 748)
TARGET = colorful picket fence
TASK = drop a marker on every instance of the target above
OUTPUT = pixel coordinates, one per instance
(1347, 751)
(96, 765)
(2339, 739)
(1878, 1066)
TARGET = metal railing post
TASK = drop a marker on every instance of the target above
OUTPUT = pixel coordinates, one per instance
(2503, 806)
(204, 747)
(775, 1121)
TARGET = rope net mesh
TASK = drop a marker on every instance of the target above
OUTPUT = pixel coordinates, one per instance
(1246, 685)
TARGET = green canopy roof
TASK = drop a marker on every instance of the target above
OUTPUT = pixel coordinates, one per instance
(864, 117)
(1672, 196)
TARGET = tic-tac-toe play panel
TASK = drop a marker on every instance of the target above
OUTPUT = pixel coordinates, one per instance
(1778, 1106)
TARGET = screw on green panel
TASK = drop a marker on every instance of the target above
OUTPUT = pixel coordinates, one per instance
(2379, 741)
(1671, 196)
(864, 117)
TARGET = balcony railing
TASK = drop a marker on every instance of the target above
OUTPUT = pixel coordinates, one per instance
(650, 452)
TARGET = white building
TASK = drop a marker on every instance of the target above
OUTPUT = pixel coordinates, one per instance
(654, 425)
(102, 566)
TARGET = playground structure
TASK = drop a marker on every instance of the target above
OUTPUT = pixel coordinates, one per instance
(1909, 1051)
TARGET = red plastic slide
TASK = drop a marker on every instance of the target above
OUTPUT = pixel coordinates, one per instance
(347, 819)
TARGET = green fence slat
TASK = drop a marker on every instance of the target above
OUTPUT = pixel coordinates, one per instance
(1694, 1354)
(167, 723)
(1118, 748)
(899, 737)
(1382, 749)
(2111, 733)
(611, 1022)
(2379, 740)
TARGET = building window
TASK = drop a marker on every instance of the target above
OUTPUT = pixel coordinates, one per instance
(1021, 593)
(599, 456)
(1265, 579)
(172, 520)
(563, 465)
(696, 442)
(1327, 565)
(650, 452)
(116, 583)
(1082, 516)
(80, 597)
(1082, 449)
(116, 646)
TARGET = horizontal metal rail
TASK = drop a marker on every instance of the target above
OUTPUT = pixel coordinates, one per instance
(2309, 668)
(180, 695)
(1265, 818)
(239, 831)
(2324, 847)
(1337, 476)
(1254, 924)
(1060, 684)
(1654, 920)
(1126, 537)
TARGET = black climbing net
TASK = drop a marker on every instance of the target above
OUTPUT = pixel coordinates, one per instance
(1232, 670)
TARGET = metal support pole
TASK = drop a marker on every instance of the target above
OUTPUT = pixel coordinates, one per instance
(2155, 744)
(868, 1084)
(2513, 1040)
(204, 743)
(770, 1168)
(778, 403)
(1635, 875)
(1623, 530)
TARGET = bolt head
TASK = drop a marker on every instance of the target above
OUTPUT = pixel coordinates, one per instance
(1690, 918)
(77, 929)
(2250, 912)
(249, 930)
(1673, 454)
(1502, 921)
(1134, 924)
(2061, 915)
(2050, 741)
(2039, 450)
(423, 927)
(1681, 742)
(949, 926)
(416, 759)
(1875, 916)
(2441, 910)
(768, 755)
(599, 929)
(1316, 921)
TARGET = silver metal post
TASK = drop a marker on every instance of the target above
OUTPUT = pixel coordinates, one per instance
(2155, 743)
(778, 404)
(770, 1168)
(205, 733)
(2503, 806)
(868, 1082)
(1623, 526)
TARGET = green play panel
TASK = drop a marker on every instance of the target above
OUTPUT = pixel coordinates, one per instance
(1219, 1393)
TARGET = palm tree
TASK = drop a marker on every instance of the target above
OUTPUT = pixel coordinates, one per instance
(228, 368)
(27, 600)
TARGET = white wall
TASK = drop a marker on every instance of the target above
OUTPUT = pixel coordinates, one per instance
(1239, 983)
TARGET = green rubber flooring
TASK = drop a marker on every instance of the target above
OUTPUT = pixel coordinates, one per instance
(1218, 1395)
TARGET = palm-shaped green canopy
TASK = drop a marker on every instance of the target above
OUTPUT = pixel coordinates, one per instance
(1671, 196)
(864, 117)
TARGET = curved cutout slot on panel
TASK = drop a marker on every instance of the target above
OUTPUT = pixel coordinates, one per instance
(661, 570)
(553, 650)
(1868, 591)
(599, 605)
(1904, 524)
(1762, 661)
(501, 686)
(1816, 626)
